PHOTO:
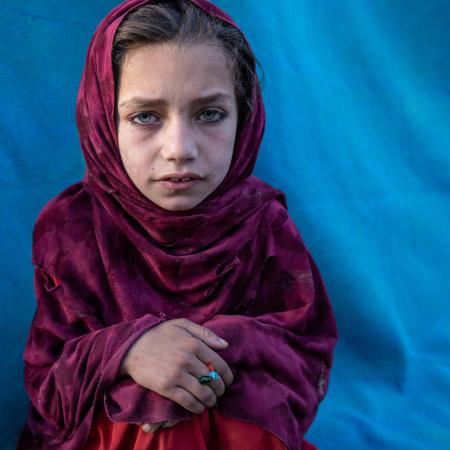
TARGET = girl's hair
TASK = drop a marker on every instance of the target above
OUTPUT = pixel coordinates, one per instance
(181, 22)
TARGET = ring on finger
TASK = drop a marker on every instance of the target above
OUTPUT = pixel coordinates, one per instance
(212, 375)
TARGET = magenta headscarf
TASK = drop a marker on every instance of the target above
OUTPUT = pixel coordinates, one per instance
(110, 265)
(108, 178)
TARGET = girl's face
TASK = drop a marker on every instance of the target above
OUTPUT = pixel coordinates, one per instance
(176, 119)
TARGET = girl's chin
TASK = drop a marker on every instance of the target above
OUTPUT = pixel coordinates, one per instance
(177, 204)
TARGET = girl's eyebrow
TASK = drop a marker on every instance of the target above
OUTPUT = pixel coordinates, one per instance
(142, 102)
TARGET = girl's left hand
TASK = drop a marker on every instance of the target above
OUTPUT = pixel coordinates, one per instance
(152, 427)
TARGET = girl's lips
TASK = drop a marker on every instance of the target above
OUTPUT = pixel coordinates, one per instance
(180, 181)
(180, 185)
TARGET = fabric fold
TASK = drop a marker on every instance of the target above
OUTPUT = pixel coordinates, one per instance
(67, 376)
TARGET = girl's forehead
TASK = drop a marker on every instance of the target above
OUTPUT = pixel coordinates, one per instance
(174, 56)
(188, 71)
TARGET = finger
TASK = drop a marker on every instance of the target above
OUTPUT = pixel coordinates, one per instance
(202, 333)
(201, 392)
(151, 427)
(170, 423)
(186, 400)
(205, 354)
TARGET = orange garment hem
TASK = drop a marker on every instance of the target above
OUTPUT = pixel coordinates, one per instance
(206, 431)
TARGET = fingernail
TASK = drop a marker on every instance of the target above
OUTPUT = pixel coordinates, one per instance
(222, 341)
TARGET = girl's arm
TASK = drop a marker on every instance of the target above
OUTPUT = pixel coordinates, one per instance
(280, 347)
(70, 360)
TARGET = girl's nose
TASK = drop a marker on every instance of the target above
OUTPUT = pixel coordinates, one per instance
(179, 142)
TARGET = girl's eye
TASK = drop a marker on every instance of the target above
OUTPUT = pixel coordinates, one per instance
(212, 115)
(144, 118)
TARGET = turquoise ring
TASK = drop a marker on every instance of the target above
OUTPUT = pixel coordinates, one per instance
(212, 375)
(208, 379)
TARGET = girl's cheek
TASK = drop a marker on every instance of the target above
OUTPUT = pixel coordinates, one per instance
(221, 141)
(131, 141)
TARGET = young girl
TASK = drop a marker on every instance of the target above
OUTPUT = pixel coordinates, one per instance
(178, 307)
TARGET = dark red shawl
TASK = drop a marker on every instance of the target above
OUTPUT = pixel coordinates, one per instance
(110, 265)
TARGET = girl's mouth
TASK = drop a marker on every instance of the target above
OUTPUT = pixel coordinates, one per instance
(179, 185)
(180, 182)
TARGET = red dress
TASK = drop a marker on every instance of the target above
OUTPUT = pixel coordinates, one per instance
(208, 430)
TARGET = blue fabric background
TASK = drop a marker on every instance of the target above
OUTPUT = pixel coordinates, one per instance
(358, 136)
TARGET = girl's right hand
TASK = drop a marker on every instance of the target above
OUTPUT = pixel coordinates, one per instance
(169, 359)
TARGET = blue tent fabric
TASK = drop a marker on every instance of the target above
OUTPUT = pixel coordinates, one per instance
(358, 136)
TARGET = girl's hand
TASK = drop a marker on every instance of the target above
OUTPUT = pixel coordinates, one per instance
(169, 359)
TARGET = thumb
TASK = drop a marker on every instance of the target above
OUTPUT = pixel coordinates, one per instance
(202, 333)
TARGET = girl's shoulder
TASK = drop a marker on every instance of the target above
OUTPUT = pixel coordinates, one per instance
(63, 222)
(275, 204)
(278, 222)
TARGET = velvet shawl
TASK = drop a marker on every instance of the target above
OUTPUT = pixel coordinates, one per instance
(110, 265)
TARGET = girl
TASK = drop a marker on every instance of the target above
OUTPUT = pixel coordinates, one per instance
(178, 307)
